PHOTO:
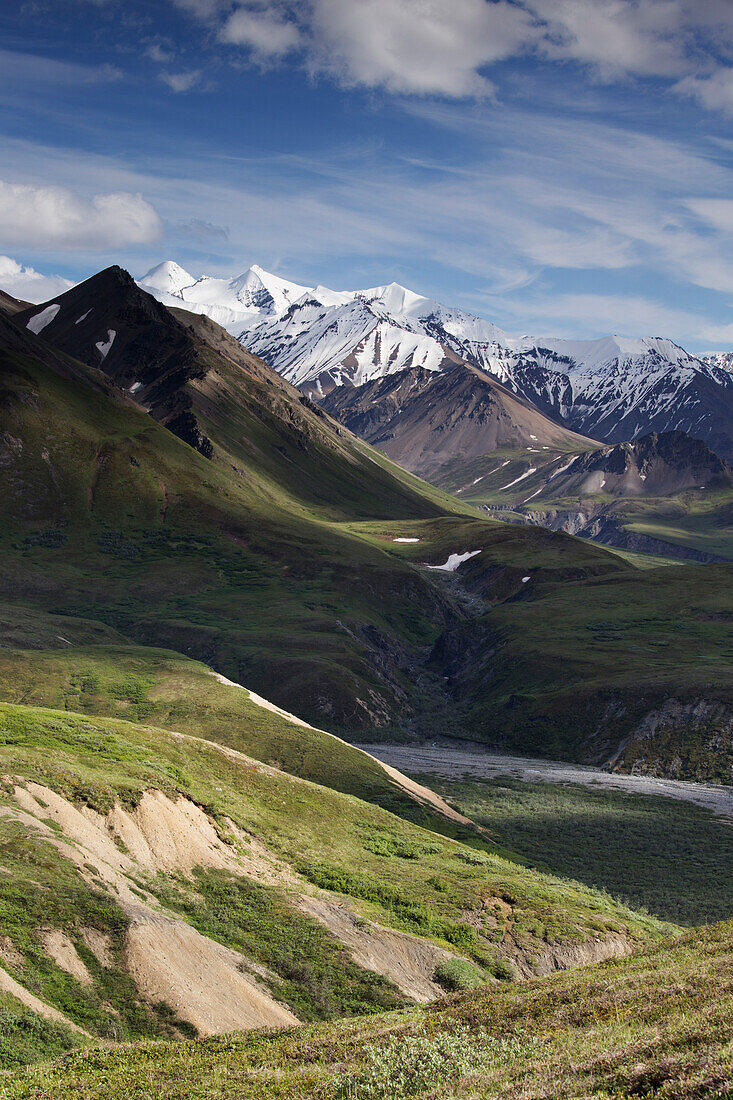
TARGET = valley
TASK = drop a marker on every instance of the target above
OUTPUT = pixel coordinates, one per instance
(366, 550)
(454, 762)
(213, 593)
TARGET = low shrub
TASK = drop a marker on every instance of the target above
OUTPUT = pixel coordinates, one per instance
(455, 974)
(410, 1065)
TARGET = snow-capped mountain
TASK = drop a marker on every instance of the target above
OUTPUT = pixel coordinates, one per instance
(611, 389)
(236, 304)
(722, 359)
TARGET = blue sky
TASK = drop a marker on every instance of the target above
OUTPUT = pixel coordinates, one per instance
(558, 166)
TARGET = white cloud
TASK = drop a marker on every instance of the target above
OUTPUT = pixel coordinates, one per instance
(416, 46)
(266, 33)
(447, 47)
(54, 217)
(615, 36)
(29, 285)
(717, 334)
(201, 9)
(183, 81)
(714, 92)
(717, 212)
(159, 51)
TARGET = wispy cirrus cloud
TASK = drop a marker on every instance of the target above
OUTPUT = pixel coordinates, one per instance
(538, 204)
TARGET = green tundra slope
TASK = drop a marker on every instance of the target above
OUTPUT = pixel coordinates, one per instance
(226, 519)
(107, 515)
(657, 1025)
(155, 883)
(170, 691)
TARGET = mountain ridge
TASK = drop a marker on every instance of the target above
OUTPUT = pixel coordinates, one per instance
(423, 418)
(612, 388)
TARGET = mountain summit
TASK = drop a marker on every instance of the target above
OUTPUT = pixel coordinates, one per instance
(236, 303)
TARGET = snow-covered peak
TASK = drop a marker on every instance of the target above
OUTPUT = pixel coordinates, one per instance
(723, 360)
(592, 355)
(236, 303)
(398, 299)
(168, 277)
(325, 297)
(261, 290)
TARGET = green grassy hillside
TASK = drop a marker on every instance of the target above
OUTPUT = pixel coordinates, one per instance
(129, 852)
(170, 691)
(648, 652)
(669, 857)
(658, 1025)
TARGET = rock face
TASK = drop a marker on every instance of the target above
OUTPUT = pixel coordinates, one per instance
(423, 418)
(592, 495)
(596, 523)
(109, 323)
(658, 464)
(681, 739)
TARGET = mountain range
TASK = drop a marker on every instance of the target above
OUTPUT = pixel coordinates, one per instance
(611, 389)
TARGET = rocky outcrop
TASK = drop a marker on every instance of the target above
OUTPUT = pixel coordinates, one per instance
(676, 740)
(594, 522)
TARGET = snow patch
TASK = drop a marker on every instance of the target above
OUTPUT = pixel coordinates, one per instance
(38, 322)
(83, 317)
(135, 385)
(405, 540)
(531, 470)
(103, 347)
(562, 469)
(454, 560)
(525, 579)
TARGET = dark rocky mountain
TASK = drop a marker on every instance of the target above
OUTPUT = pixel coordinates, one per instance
(109, 323)
(423, 419)
(664, 494)
(11, 305)
(658, 464)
